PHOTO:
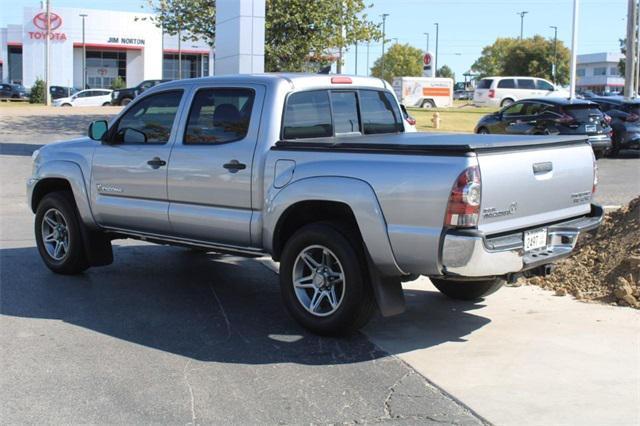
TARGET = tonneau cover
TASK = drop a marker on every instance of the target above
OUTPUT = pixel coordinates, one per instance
(431, 142)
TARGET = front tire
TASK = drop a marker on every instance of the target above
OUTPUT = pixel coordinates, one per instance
(467, 290)
(323, 280)
(58, 234)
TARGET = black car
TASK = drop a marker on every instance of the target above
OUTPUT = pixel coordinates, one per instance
(13, 91)
(552, 116)
(58, 92)
(625, 121)
(124, 96)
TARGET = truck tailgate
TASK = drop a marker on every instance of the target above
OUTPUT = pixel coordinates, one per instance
(533, 186)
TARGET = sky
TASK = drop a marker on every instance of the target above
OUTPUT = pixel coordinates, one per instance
(465, 26)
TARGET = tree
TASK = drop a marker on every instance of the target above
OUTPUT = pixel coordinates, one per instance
(622, 64)
(300, 35)
(401, 60)
(529, 57)
(118, 83)
(37, 92)
(446, 72)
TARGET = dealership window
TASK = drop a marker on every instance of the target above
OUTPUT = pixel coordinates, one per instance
(580, 72)
(192, 66)
(614, 71)
(104, 66)
(600, 71)
(15, 64)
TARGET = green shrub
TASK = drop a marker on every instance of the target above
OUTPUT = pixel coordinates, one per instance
(37, 95)
(118, 83)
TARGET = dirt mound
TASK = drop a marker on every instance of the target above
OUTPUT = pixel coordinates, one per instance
(606, 266)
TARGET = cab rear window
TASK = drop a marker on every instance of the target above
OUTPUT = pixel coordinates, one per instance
(327, 113)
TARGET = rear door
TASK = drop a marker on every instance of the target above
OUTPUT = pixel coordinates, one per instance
(209, 181)
(526, 88)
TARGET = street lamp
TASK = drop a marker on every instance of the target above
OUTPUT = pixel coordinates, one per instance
(435, 65)
(427, 34)
(84, 55)
(524, 12)
(384, 20)
(555, 54)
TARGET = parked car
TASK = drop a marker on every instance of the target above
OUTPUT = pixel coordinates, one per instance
(503, 91)
(317, 172)
(551, 116)
(124, 96)
(58, 92)
(461, 95)
(13, 91)
(625, 121)
(83, 98)
(409, 121)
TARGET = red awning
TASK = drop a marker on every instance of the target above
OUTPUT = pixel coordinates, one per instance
(99, 46)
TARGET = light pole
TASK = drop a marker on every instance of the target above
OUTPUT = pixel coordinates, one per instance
(435, 65)
(384, 21)
(524, 12)
(368, 45)
(574, 47)
(47, 56)
(555, 54)
(356, 73)
(84, 55)
(427, 34)
(395, 40)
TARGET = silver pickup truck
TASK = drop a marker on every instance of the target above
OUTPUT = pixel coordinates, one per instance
(317, 172)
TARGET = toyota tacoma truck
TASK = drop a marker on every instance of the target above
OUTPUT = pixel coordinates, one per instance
(318, 173)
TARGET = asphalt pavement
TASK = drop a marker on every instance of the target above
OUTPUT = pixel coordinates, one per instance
(166, 335)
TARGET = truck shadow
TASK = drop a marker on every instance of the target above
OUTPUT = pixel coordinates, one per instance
(207, 307)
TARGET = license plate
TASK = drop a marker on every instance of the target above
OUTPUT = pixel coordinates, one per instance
(535, 239)
(590, 128)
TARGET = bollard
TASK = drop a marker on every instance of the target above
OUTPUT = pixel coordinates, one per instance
(435, 120)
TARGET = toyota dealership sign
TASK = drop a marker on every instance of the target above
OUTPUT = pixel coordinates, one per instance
(40, 24)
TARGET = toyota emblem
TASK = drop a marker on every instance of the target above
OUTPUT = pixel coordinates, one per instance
(40, 21)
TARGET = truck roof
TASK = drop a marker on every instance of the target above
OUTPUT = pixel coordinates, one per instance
(297, 81)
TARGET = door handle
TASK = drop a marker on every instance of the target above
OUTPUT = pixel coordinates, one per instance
(234, 165)
(156, 162)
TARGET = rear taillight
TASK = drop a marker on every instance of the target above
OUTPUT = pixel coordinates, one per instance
(411, 120)
(595, 173)
(463, 209)
(632, 117)
(492, 93)
(565, 119)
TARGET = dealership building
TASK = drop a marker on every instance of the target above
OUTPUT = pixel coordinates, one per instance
(124, 44)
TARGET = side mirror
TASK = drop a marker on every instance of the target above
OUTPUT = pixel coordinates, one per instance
(130, 135)
(97, 129)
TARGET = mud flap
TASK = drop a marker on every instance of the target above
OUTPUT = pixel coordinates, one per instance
(97, 247)
(387, 290)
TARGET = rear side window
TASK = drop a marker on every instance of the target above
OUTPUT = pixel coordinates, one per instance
(526, 83)
(544, 85)
(345, 113)
(515, 109)
(507, 83)
(380, 113)
(219, 116)
(485, 83)
(308, 115)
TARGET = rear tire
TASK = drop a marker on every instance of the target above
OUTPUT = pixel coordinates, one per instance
(324, 281)
(506, 102)
(483, 131)
(427, 104)
(106, 104)
(467, 290)
(58, 234)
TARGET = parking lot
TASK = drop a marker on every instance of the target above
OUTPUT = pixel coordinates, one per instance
(165, 335)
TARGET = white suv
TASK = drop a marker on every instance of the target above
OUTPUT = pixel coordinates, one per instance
(503, 91)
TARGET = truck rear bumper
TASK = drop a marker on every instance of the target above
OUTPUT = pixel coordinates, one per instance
(472, 254)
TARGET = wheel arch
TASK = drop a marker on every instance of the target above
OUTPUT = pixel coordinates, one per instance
(322, 198)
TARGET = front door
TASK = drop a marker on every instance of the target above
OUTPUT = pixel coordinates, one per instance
(209, 181)
(129, 173)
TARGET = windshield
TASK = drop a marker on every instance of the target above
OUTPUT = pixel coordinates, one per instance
(485, 83)
(582, 113)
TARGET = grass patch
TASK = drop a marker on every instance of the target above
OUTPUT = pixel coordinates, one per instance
(460, 118)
